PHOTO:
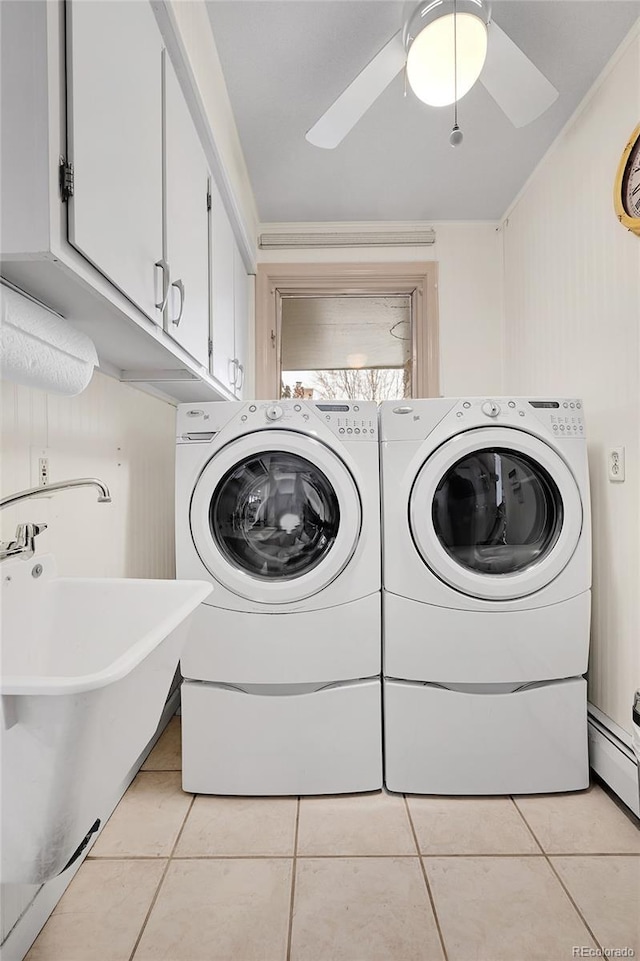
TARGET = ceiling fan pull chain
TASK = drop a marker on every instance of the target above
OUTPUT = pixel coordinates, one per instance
(455, 137)
(455, 58)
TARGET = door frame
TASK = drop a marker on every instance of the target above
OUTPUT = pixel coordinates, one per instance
(418, 280)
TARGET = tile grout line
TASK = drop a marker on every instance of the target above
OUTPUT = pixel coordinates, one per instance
(287, 857)
(561, 882)
(161, 882)
(293, 880)
(426, 880)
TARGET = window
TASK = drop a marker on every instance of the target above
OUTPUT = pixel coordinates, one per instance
(277, 283)
(346, 348)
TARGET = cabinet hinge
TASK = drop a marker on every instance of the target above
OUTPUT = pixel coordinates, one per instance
(66, 179)
(210, 347)
(208, 201)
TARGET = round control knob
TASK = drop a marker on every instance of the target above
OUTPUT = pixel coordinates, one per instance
(490, 408)
(274, 412)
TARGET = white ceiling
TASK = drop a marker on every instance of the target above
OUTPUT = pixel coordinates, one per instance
(285, 61)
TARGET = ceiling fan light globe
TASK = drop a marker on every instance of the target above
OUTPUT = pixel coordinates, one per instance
(430, 60)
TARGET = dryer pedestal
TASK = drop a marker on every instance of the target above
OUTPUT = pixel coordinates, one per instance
(530, 741)
(282, 740)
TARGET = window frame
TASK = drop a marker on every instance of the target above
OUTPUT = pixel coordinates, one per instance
(417, 280)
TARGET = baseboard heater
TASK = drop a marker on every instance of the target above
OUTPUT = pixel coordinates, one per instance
(612, 757)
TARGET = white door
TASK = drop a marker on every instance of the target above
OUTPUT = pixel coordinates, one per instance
(223, 366)
(273, 518)
(495, 513)
(241, 320)
(114, 85)
(186, 224)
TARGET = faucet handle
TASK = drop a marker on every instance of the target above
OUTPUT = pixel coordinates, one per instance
(26, 535)
(23, 543)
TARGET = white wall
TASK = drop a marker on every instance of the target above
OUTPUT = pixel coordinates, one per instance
(111, 431)
(469, 260)
(572, 317)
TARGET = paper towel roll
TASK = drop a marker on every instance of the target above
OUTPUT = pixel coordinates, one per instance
(39, 349)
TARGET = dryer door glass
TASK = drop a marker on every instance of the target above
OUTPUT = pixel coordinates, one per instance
(274, 515)
(497, 511)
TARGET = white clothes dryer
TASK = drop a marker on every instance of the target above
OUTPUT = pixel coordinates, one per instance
(486, 595)
(277, 504)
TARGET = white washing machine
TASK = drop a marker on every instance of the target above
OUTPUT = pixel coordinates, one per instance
(486, 595)
(277, 504)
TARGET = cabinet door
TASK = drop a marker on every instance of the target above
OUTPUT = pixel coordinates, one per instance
(241, 320)
(186, 224)
(222, 278)
(114, 86)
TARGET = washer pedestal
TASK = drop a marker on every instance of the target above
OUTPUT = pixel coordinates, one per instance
(285, 740)
(441, 741)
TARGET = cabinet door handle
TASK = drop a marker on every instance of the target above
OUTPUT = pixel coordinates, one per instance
(179, 286)
(241, 373)
(232, 372)
(166, 277)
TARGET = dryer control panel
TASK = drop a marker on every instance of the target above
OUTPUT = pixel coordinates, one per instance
(563, 418)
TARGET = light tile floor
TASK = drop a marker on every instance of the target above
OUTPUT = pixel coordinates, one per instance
(372, 877)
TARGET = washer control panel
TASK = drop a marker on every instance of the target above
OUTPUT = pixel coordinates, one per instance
(348, 420)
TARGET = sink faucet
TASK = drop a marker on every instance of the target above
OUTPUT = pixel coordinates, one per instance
(23, 544)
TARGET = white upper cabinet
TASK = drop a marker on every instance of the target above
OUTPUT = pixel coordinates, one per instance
(186, 225)
(114, 84)
(230, 303)
(223, 358)
(105, 183)
(241, 322)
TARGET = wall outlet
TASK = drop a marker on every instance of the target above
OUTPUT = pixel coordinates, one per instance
(40, 470)
(615, 463)
(43, 471)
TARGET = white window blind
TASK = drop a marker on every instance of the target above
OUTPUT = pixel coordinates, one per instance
(331, 333)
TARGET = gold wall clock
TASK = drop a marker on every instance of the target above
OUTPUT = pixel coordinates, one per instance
(626, 192)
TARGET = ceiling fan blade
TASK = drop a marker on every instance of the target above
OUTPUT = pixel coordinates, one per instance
(514, 82)
(353, 103)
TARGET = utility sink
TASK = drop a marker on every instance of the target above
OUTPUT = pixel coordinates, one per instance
(86, 667)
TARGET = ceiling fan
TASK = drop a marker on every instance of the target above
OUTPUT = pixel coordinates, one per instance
(445, 46)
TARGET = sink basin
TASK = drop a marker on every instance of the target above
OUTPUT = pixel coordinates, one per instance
(86, 667)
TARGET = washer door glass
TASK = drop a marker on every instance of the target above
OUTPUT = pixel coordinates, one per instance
(274, 515)
(496, 511)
